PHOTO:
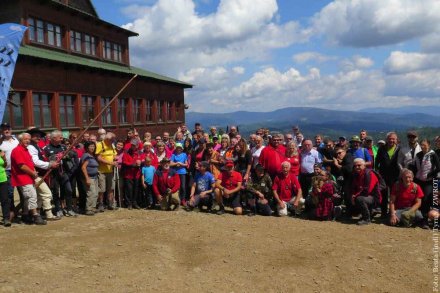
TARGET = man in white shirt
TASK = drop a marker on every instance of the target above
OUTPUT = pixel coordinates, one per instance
(44, 195)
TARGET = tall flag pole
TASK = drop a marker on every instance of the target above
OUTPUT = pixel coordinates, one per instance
(11, 35)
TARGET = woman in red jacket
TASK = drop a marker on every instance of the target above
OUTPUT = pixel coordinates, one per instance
(131, 162)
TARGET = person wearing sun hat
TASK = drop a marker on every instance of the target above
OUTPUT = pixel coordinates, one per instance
(357, 151)
(166, 184)
(179, 162)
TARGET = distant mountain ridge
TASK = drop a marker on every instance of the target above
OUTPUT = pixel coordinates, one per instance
(315, 120)
(430, 110)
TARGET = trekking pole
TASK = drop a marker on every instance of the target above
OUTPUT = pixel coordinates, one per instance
(118, 188)
(73, 144)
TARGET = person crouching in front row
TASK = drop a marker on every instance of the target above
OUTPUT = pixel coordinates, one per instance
(166, 185)
(287, 192)
(228, 188)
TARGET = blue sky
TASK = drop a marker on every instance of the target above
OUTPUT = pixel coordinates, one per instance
(263, 55)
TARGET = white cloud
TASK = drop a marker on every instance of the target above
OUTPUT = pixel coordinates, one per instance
(406, 62)
(367, 23)
(312, 56)
(175, 38)
(356, 62)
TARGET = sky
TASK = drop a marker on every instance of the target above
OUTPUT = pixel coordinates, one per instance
(262, 55)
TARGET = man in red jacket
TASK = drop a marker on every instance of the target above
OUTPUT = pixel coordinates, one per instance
(365, 190)
(228, 188)
(273, 155)
(166, 185)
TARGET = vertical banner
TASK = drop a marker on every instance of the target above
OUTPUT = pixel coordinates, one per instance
(11, 35)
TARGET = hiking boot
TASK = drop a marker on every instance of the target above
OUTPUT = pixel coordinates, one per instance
(89, 213)
(221, 211)
(110, 208)
(71, 213)
(53, 218)
(27, 219)
(38, 220)
(101, 208)
(6, 223)
(60, 214)
(129, 208)
(136, 207)
(363, 222)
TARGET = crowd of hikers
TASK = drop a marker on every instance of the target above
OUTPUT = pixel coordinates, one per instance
(348, 179)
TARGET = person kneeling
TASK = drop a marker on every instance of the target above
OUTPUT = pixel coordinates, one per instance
(406, 199)
(259, 188)
(228, 188)
(320, 202)
(365, 190)
(201, 190)
(166, 184)
(287, 192)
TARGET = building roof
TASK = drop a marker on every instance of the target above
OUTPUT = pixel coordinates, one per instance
(92, 14)
(57, 56)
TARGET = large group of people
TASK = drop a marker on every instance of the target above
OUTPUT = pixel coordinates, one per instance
(269, 173)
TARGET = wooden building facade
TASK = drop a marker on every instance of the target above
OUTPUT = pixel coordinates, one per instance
(72, 63)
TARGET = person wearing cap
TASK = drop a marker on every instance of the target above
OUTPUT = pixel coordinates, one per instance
(166, 185)
(8, 142)
(389, 163)
(179, 162)
(23, 175)
(59, 178)
(357, 151)
(228, 188)
(273, 155)
(259, 192)
(202, 188)
(412, 150)
(380, 143)
(342, 142)
(106, 155)
(149, 152)
(287, 192)
(213, 133)
(131, 162)
(41, 166)
(371, 148)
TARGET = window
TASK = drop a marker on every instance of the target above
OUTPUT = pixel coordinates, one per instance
(148, 112)
(117, 52)
(38, 29)
(159, 111)
(168, 111)
(67, 112)
(137, 110)
(75, 41)
(107, 115)
(54, 35)
(31, 23)
(122, 111)
(177, 111)
(42, 110)
(90, 45)
(112, 51)
(107, 50)
(14, 113)
(87, 103)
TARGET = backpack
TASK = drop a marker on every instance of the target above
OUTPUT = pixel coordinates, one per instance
(381, 185)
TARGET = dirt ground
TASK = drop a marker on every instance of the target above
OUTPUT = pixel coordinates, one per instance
(144, 251)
